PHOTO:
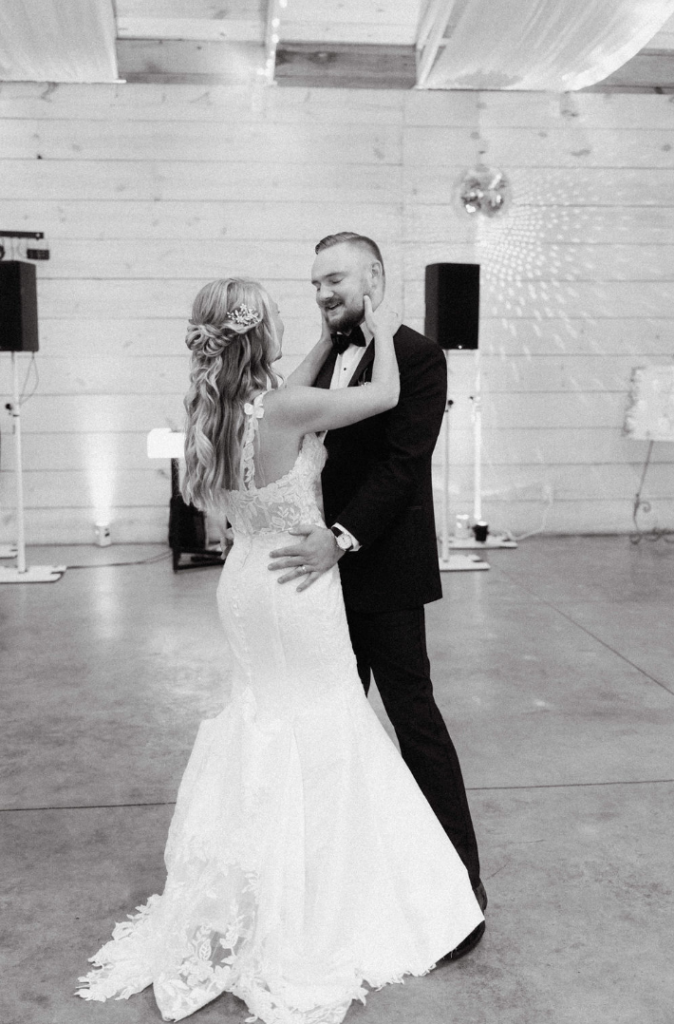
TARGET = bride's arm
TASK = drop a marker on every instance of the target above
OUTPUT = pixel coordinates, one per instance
(305, 374)
(310, 409)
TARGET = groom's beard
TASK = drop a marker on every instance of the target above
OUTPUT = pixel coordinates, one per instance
(349, 319)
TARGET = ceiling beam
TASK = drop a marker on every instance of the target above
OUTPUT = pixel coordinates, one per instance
(191, 28)
(345, 67)
(188, 62)
(215, 10)
(432, 31)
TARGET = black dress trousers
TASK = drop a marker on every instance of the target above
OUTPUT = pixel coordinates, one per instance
(392, 646)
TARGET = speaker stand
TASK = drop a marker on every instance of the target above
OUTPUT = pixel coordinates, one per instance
(23, 573)
(199, 557)
(494, 540)
(452, 563)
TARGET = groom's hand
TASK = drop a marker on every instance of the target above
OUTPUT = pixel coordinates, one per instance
(315, 553)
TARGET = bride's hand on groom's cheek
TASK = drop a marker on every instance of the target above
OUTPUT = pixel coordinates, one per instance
(315, 552)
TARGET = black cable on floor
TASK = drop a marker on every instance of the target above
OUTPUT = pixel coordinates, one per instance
(110, 565)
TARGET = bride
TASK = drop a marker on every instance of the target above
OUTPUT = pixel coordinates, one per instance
(303, 862)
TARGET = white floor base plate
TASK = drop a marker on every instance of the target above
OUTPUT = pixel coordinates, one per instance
(8, 551)
(462, 563)
(493, 541)
(33, 574)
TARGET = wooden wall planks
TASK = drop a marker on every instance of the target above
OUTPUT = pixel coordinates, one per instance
(146, 191)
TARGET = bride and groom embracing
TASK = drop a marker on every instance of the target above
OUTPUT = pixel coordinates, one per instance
(306, 859)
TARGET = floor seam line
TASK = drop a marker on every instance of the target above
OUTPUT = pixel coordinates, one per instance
(469, 789)
(588, 632)
(572, 785)
(86, 807)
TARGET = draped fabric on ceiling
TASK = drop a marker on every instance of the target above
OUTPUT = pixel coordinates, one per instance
(556, 45)
(57, 41)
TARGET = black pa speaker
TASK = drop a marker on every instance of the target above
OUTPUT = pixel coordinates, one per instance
(453, 304)
(18, 307)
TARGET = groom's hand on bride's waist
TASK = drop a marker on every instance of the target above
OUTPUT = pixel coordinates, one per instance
(315, 552)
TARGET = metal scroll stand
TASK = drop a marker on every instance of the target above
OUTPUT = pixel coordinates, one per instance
(641, 505)
(22, 573)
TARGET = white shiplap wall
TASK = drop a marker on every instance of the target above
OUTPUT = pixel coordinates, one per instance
(146, 191)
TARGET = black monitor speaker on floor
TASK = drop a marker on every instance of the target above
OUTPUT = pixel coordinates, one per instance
(18, 307)
(453, 304)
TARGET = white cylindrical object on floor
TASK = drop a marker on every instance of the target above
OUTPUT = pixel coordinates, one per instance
(103, 538)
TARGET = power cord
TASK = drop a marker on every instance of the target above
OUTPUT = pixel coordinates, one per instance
(111, 565)
(541, 528)
(32, 366)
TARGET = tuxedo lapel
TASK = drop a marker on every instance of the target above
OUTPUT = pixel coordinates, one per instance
(324, 376)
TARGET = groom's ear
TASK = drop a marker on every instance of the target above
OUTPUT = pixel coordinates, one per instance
(378, 283)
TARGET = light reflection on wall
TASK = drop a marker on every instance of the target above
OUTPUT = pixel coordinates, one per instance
(552, 284)
(100, 457)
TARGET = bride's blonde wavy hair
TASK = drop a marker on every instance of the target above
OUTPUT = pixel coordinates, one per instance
(230, 360)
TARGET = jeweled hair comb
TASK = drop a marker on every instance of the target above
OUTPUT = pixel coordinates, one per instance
(243, 316)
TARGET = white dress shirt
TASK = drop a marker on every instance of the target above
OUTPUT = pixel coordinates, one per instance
(345, 366)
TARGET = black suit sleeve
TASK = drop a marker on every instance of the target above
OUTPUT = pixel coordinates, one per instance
(412, 429)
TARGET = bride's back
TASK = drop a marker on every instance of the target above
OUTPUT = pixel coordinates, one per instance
(276, 444)
(292, 496)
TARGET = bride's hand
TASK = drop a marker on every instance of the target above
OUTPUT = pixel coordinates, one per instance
(325, 330)
(382, 319)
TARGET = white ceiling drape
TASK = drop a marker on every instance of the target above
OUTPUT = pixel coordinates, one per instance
(57, 41)
(556, 45)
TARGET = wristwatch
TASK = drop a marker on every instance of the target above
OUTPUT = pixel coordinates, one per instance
(344, 540)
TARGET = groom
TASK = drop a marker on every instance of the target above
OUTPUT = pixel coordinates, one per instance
(378, 498)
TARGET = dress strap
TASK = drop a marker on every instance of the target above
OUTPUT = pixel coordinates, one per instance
(253, 411)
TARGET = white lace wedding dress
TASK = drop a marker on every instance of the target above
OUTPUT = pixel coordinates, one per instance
(303, 861)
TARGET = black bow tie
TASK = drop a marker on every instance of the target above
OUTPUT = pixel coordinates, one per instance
(342, 341)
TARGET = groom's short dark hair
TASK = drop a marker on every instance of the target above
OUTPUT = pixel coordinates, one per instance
(353, 238)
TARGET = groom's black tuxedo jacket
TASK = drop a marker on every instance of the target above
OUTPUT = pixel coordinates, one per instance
(377, 482)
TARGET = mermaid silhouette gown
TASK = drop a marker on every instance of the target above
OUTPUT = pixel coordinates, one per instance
(303, 862)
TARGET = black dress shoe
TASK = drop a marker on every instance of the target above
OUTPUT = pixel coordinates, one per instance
(467, 946)
(471, 941)
(481, 896)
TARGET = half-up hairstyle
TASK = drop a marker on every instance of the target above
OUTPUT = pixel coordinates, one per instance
(232, 339)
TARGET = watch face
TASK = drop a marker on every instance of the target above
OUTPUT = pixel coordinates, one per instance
(343, 541)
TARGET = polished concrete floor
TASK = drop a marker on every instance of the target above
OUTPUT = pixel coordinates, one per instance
(555, 671)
